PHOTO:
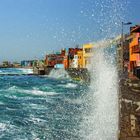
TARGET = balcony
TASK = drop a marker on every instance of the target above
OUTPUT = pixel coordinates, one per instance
(136, 49)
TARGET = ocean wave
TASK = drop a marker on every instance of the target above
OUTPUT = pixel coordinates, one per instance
(26, 71)
(34, 91)
(39, 92)
(16, 71)
(1, 103)
(3, 127)
(35, 120)
(36, 106)
(68, 85)
(13, 88)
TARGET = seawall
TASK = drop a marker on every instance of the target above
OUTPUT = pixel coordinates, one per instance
(129, 100)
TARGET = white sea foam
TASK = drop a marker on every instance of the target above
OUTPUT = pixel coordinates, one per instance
(68, 85)
(1, 103)
(3, 127)
(40, 93)
(34, 91)
(59, 74)
(26, 71)
(13, 88)
(101, 116)
(36, 106)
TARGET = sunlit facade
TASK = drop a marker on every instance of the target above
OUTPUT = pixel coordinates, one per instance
(80, 59)
(87, 55)
(134, 49)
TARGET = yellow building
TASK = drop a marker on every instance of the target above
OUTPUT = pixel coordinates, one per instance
(87, 54)
(80, 59)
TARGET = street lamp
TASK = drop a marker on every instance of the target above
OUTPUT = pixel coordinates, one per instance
(122, 42)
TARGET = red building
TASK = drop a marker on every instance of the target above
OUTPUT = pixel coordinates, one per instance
(58, 58)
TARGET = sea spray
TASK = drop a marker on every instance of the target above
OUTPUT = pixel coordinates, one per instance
(59, 74)
(100, 115)
(100, 118)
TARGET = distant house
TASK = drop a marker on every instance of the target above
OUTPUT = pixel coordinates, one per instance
(80, 58)
(27, 63)
(87, 55)
(16, 64)
(6, 64)
(57, 60)
(72, 57)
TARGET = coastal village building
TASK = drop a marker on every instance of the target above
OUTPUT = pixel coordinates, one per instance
(127, 40)
(123, 53)
(72, 57)
(80, 58)
(134, 49)
(27, 63)
(57, 60)
(129, 90)
(6, 64)
(75, 58)
(87, 55)
(16, 64)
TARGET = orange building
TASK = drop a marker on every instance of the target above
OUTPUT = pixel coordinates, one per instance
(80, 58)
(134, 49)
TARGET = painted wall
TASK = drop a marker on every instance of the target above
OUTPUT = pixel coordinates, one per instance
(87, 54)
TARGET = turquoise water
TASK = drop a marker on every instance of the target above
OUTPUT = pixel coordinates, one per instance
(40, 108)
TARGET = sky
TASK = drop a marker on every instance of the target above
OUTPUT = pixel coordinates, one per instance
(29, 29)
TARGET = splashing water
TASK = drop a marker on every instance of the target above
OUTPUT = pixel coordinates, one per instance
(100, 117)
(59, 74)
(100, 121)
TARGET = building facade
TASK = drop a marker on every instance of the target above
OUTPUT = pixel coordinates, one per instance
(52, 60)
(72, 56)
(80, 58)
(87, 55)
(134, 49)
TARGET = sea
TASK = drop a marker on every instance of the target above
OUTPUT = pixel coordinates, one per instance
(40, 107)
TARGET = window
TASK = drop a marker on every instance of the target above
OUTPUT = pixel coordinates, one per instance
(88, 50)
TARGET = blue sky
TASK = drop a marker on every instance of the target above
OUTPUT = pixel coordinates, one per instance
(31, 28)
